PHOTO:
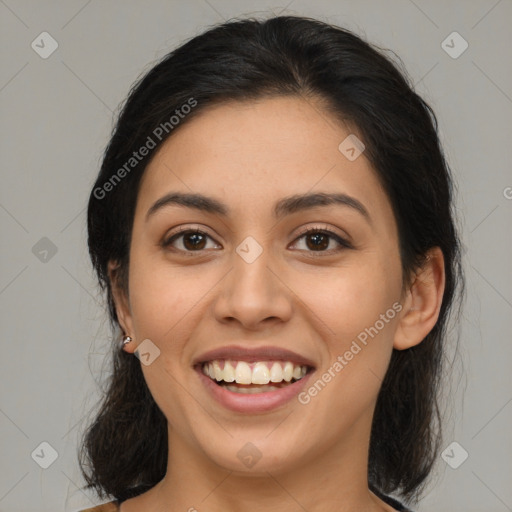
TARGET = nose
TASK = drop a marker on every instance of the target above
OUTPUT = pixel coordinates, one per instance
(254, 294)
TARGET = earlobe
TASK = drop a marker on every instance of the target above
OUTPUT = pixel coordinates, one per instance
(122, 305)
(423, 302)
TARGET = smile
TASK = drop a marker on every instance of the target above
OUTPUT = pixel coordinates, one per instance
(253, 387)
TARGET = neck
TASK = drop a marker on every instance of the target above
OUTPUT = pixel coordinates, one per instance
(332, 481)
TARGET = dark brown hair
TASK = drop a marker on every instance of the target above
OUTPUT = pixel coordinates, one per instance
(124, 450)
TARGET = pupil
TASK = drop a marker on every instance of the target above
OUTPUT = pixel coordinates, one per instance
(316, 243)
(195, 237)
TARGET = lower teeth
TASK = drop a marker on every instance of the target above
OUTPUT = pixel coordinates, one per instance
(251, 390)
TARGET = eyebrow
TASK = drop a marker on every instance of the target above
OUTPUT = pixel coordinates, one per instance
(285, 206)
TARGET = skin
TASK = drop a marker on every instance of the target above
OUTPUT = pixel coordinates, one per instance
(248, 156)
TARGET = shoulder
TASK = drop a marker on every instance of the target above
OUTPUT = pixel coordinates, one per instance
(111, 506)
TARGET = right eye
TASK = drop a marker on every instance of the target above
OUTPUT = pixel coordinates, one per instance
(192, 240)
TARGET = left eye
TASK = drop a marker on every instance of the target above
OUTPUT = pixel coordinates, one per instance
(319, 240)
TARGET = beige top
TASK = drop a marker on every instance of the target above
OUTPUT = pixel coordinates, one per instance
(111, 506)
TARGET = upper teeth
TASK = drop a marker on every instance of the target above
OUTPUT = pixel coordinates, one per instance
(261, 372)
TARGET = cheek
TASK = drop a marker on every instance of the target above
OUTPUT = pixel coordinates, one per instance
(162, 302)
(160, 293)
(351, 299)
(359, 307)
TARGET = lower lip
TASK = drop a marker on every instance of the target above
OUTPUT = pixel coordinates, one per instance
(255, 402)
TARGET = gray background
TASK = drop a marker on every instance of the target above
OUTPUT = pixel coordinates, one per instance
(56, 119)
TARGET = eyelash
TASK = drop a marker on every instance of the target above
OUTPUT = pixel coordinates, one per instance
(344, 244)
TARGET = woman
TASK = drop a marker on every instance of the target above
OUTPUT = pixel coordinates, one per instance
(273, 227)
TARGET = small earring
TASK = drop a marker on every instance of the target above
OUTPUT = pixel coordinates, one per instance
(125, 341)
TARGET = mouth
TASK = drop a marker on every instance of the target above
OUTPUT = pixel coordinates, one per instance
(253, 380)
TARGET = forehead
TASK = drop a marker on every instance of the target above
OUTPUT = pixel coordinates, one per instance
(250, 154)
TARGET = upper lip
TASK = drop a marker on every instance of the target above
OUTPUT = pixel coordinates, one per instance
(251, 355)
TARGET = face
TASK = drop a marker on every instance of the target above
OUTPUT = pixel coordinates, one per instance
(239, 272)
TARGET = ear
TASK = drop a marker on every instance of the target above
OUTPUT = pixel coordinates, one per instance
(122, 304)
(422, 302)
